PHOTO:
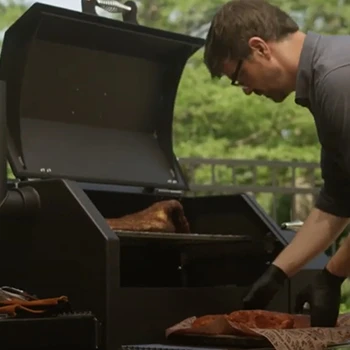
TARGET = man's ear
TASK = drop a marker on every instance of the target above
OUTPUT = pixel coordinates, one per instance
(259, 47)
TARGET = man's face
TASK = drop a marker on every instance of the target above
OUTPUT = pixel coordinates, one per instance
(261, 73)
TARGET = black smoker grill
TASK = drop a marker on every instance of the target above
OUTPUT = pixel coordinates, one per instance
(89, 119)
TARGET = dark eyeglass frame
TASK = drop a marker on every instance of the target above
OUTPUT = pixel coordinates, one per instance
(236, 73)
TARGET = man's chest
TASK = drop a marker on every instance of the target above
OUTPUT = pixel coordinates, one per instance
(323, 123)
(329, 142)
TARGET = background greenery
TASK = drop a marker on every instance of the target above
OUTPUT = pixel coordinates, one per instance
(214, 119)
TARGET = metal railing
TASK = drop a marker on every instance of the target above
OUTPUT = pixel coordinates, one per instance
(299, 181)
(229, 176)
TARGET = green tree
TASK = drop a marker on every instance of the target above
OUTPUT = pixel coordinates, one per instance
(10, 10)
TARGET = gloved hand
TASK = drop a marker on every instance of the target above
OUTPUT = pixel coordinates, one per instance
(265, 288)
(323, 296)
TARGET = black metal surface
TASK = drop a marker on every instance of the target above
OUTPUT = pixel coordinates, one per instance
(24, 201)
(65, 121)
(88, 7)
(73, 331)
(344, 346)
(227, 215)
(130, 16)
(231, 231)
(180, 238)
(165, 346)
(183, 347)
(20, 201)
(230, 341)
(68, 249)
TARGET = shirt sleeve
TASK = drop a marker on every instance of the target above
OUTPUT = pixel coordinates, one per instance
(333, 125)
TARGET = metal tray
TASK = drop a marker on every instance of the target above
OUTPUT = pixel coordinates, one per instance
(182, 238)
(181, 347)
(342, 346)
(231, 341)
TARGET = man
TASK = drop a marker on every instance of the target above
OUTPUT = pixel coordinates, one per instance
(261, 49)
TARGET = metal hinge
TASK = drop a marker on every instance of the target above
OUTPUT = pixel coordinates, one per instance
(167, 192)
(293, 225)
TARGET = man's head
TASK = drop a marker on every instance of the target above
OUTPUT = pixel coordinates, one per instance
(256, 45)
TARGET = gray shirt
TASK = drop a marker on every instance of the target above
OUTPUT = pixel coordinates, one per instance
(323, 86)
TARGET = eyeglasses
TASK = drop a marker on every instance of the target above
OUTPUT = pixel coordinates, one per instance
(235, 74)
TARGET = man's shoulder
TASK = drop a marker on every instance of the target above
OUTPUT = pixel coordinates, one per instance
(331, 59)
(321, 59)
(332, 80)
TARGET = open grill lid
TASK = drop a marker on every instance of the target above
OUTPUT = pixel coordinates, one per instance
(91, 98)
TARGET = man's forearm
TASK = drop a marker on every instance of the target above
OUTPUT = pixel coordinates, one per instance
(320, 229)
(339, 264)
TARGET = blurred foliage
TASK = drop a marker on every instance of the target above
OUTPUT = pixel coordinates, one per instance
(10, 10)
(345, 298)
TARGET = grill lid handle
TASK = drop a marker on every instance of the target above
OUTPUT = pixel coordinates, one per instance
(128, 10)
(292, 225)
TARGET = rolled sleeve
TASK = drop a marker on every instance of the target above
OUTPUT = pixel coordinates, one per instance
(334, 197)
(333, 124)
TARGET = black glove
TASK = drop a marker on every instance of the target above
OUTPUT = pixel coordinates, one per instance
(265, 288)
(323, 296)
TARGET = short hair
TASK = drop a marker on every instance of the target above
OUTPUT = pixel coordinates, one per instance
(235, 23)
